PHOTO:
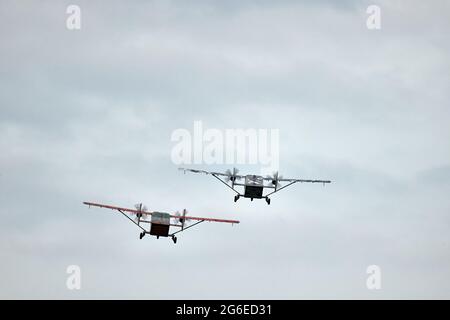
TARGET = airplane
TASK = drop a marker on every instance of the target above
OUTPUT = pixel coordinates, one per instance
(160, 222)
(253, 184)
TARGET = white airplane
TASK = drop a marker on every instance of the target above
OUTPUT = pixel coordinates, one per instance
(253, 184)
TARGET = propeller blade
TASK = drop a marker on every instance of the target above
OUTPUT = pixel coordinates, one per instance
(231, 175)
(180, 218)
(228, 173)
(142, 212)
(275, 179)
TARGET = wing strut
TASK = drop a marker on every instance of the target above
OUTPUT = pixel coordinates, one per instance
(131, 219)
(184, 229)
(215, 176)
(279, 189)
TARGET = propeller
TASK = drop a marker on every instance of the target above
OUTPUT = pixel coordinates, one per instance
(142, 212)
(181, 218)
(231, 175)
(275, 177)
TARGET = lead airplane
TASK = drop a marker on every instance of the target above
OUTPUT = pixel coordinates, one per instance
(160, 222)
(254, 185)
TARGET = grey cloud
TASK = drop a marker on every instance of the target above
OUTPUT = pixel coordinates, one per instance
(88, 115)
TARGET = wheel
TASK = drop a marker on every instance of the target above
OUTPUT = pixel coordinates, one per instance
(174, 239)
(268, 200)
(236, 198)
(141, 235)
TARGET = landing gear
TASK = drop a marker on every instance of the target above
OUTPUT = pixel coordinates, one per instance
(174, 239)
(268, 200)
(141, 235)
(236, 198)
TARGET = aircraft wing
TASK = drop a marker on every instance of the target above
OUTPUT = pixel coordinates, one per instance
(210, 172)
(194, 170)
(211, 219)
(304, 180)
(133, 211)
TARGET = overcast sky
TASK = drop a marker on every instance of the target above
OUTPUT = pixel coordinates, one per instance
(87, 115)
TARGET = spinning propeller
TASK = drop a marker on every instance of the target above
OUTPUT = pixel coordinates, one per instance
(231, 176)
(275, 177)
(181, 218)
(142, 212)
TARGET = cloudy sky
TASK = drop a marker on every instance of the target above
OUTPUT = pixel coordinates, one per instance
(87, 115)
